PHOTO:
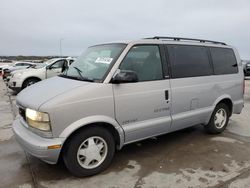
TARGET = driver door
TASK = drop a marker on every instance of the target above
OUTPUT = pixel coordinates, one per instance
(143, 108)
(55, 69)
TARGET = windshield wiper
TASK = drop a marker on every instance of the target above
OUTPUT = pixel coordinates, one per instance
(81, 76)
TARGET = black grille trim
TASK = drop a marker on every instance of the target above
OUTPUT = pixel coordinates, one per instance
(22, 112)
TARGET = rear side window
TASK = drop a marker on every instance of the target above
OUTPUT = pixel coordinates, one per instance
(19, 64)
(26, 64)
(224, 61)
(189, 61)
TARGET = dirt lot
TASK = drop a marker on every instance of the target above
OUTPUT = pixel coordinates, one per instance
(187, 158)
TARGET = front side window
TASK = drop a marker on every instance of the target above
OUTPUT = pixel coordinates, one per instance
(189, 61)
(95, 62)
(224, 61)
(57, 65)
(145, 61)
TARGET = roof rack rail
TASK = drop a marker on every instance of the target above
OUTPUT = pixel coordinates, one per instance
(186, 39)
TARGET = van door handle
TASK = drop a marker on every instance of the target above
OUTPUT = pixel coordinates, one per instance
(166, 95)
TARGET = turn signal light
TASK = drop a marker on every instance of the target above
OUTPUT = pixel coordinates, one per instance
(54, 146)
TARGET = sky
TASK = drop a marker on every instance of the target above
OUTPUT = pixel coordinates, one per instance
(36, 27)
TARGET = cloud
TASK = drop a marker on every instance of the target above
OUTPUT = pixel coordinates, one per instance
(31, 27)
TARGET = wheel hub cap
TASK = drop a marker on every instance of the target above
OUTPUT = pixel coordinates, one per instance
(92, 152)
(220, 118)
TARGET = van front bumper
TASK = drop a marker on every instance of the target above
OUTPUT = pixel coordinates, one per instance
(36, 145)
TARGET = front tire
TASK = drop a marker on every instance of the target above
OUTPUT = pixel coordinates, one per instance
(89, 151)
(219, 119)
(29, 82)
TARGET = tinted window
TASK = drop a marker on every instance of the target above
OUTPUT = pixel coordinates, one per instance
(224, 61)
(22, 64)
(18, 64)
(145, 60)
(26, 64)
(189, 61)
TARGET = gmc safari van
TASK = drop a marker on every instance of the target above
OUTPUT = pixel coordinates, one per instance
(118, 93)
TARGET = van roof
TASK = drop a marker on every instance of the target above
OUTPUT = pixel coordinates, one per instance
(174, 40)
(186, 39)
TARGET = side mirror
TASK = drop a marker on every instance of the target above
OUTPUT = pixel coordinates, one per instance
(48, 67)
(125, 76)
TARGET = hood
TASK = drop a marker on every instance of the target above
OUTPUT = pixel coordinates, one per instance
(4, 66)
(35, 95)
(17, 68)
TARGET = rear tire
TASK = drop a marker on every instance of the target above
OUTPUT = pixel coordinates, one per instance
(89, 151)
(219, 119)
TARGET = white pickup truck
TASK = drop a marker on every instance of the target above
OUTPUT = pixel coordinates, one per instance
(21, 79)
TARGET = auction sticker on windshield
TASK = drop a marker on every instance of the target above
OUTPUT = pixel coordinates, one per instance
(105, 60)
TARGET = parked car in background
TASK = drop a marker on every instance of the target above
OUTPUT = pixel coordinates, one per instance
(118, 93)
(14, 67)
(20, 79)
(246, 67)
(1, 69)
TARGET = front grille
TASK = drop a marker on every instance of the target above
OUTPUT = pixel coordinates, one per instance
(22, 112)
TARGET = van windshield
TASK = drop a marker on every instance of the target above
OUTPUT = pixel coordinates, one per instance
(94, 63)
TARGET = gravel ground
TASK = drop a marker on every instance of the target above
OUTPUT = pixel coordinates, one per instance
(187, 158)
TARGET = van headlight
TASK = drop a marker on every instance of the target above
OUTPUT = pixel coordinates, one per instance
(38, 120)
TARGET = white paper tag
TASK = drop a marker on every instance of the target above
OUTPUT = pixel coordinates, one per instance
(105, 60)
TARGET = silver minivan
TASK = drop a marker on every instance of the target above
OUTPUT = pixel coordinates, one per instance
(118, 93)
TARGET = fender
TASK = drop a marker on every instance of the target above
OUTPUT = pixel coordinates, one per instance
(225, 96)
(36, 73)
(93, 119)
(36, 77)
